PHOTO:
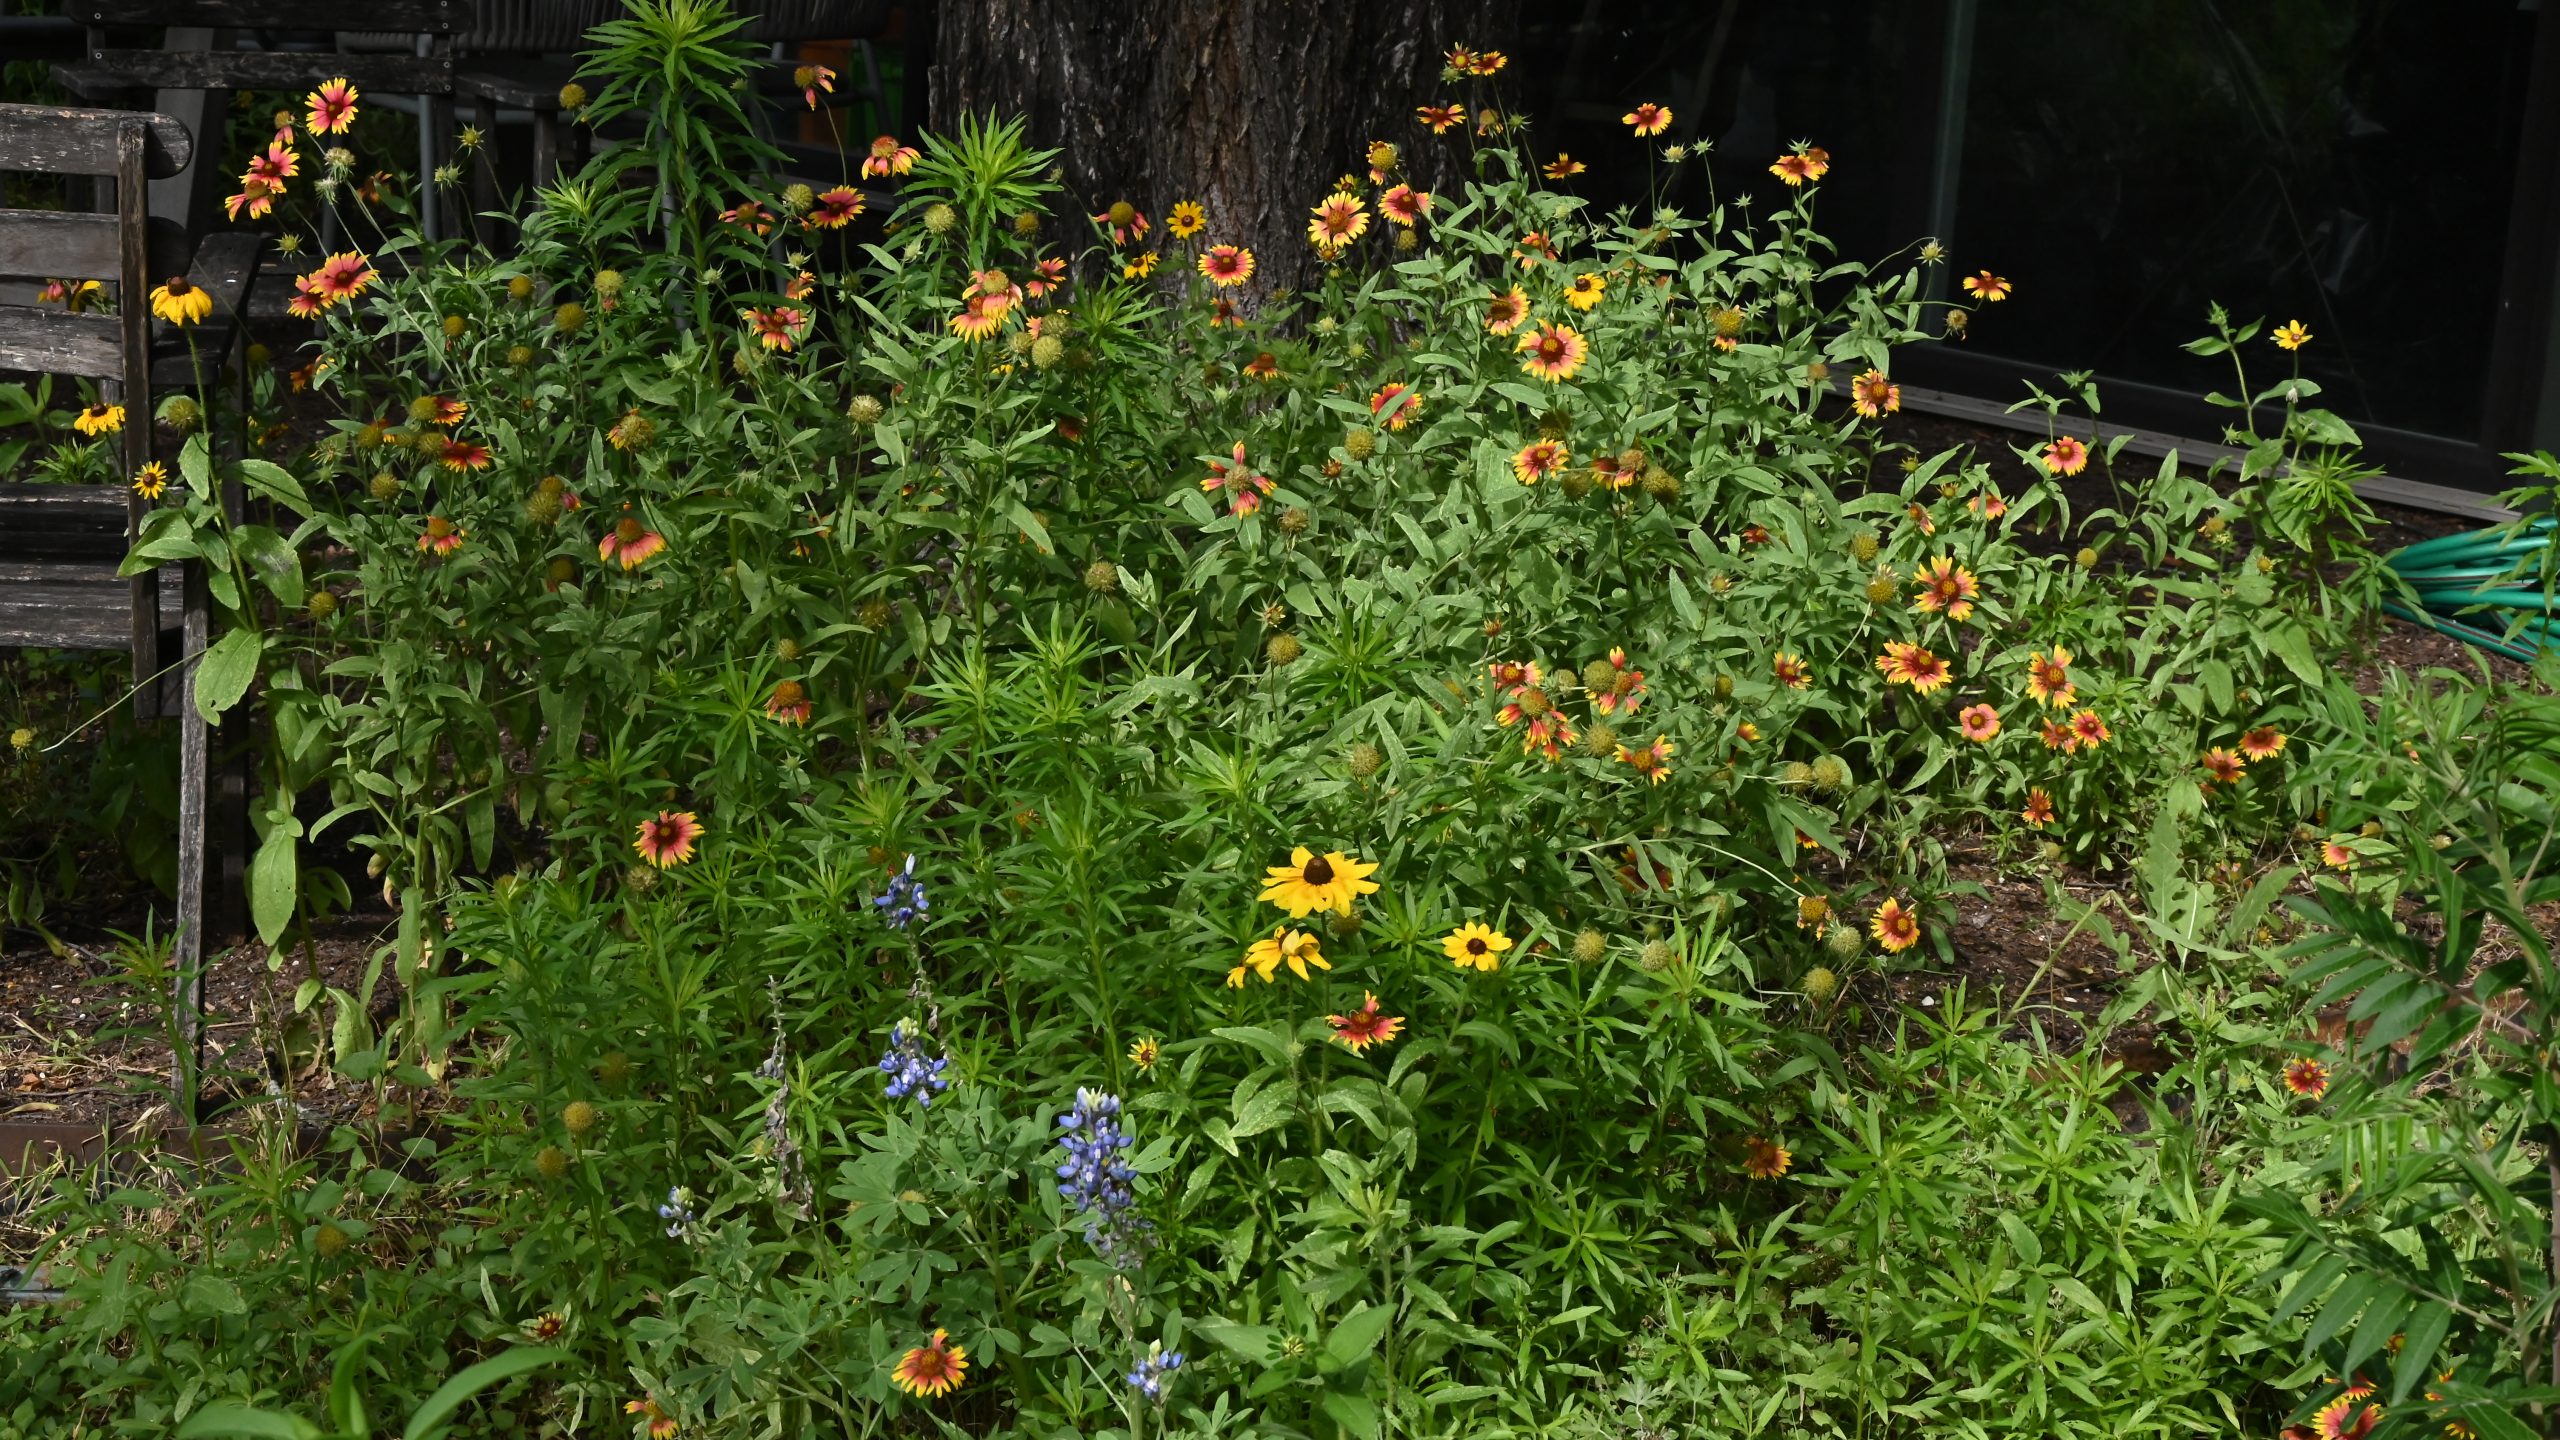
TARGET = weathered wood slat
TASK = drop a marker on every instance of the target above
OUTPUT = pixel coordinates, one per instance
(51, 342)
(58, 140)
(100, 572)
(32, 504)
(258, 70)
(66, 245)
(67, 617)
(434, 17)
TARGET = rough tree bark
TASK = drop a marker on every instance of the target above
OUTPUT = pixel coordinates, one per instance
(1251, 107)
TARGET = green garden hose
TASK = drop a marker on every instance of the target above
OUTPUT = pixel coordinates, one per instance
(2481, 587)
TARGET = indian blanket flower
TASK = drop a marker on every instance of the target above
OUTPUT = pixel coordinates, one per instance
(1475, 946)
(1585, 291)
(438, 410)
(441, 537)
(1296, 949)
(1395, 404)
(2057, 736)
(281, 163)
(911, 1072)
(887, 157)
(777, 328)
(1538, 460)
(1988, 288)
(1125, 222)
(935, 1368)
(1148, 1378)
(646, 1408)
(1653, 762)
(1510, 677)
(1405, 205)
(2221, 765)
(2265, 742)
(789, 703)
(462, 455)
(1533, 248)
(1095, 1179)
(1989, 507)
(1945, 586)
(331, 109)
(2090, 730)
(2349, 1417)
(1895, 926)
(1979, 723)
(2049, 677)
(1383, 159)
(2039, 811)
(903, 900)
(1243, 486)
(1365, 1026)
(980, 317)
(1623, 686)
(181, 303)
(151, 480)
(1227, 266)
(1049, 275)
(1487, 62)
(1263, 366)
(1563, 167)
(1647, 120)
(98, 419)
(1874, 396)
(1765, 1159)
(1912, 665)
(2337, 855)
(2066, 456)
(1555, 353)
(1310, 882)
(1507, 311)
(342, 277)
(812, 79)
(667, 838)
(750, 216)
(2291, 336)
(2306, 1078)
(834, 208)
(1806, 162)
(306, 304)
(1339, 220)
(629, 543)
(1441, 117)
(1791, 671)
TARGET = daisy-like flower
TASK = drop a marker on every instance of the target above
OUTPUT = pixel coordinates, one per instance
(2348, 1417)
(1747, 733)
(1988, 288)
(331, 109)
(2090, 730)
(1919, 514)
(281, 163)
(1906, 664)
(306, 304)
(1263, 366)
(342, 277)
(660, 1423)
(778, 328)
(667, 838)
(1625, 690)
(1765, 1159)
(1296, 949)
(99, 419)
(441, 537)
(461, 455)
(1146, 1053)
(2058, 736)
(438, 410)
(2066, 456)
(1653, 762)
(1140, 268)
(1895, 926)
(1989, 507)
(1395, 404)
(629, 543)
(1125, 221)
(2039, 811)
(887, 157)
(2337, 855)
(1046, 277)
(835, 208)
(1608, 472)
(1243, 486)
(813, 79)
(2221, 766)
(1555, 353)
(1382, 158)
(1791, 670)
(1186, 219)
(1547, 735)
(2291, 336)
(1310, 882)
(789, 703)
(2265, 742)
(1510, 677)
(1487, 62)
(151, 481)
(1533, 248)
(1507, 311)
(1441, 117)
(1805, 162)
(748, 215)
(980, 317)
(1538, 460)
(1461, 59)
(1365, 1026)
(2049, 677)
(1405, 205)
(1226, 266)
(1475, 946)
(180, 303)
(2306, 1078)
(937, 1367)
(1979, 723)
(1874, 396)
(546, 1327)
(1563, 167)
(1647, 120)
(1339, 220)
(1945, 586)
(1585, 291)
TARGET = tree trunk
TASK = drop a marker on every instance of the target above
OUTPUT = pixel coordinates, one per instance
(1251, 107)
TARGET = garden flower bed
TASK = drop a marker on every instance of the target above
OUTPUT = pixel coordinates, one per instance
(989, 826)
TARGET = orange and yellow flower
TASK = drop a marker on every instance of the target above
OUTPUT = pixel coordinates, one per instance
(1395, 404)
(1904, 663)
(667, 838)
(1563, 167)
(1555, 353)
(342, 277)
(1338, 220)
(887, 157)
(1625, 689)
(2265, 742)
(2088, 731)
(1946, 586)
(1243, 485)
(2049, 678)
(937, 1367)
(1365, 1026)
(650, 1413)
(1653, 761)
(2066, 456)
(1791, 670)
(441, 537)
(1586, 291)
(1538, 460)
(2039, 811)
(1895, 926)
(1874, 396)
(836, 207)
(1507, 311)
(1405, 205)
(1988, 288)
(749, 216)
(1226, 266)
(2221, 766)
(1125, 221)
(1978, 723)
(332, 107)
(1441, 117)
(1765, 1159)
(1805, 162)
(629, 543)
(789, 703)
(1647, 119)
(813, 79)
(777, 328)
(461, 455)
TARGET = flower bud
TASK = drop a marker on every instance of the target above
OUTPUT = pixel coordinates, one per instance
(570, 318)
(578, 1117)
(1864, 547)
(1656, 956)
(521, 357)
(321, 605)
(385, 485)
(1830, 773)
(940, 218)
(1590, 947)
(2087, 559)
(1026, 224)
(1295, 520)
(1102, 577)
(865, 410)
(551, 1162)
(455, 326)
(1284, 649)
(573, 96)
(1047, 351)
(1882, 589)
(1363, 760)
(520, 288)
(1820, 984)
(1360, 444)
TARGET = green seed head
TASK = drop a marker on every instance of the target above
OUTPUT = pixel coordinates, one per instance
(865, 410)
(520, 357)
(578, 1117)
(455, 326)
(551, 1162)
(570, 318)
(1590, 947)
(1026, 224)
(1600, 740)
(329, 1240)
(1102, 577)
(1820, 984)
(1882, 589)
(1599, 677)
(940, 219)
(1865, 547)
(2087, 559)
(1363, 760)
(1295, 520)
(181, 414)
(1284, 650)
(1656, 956)
(1360, 444)
(573, 96)
(321, 605)
(385, 485)
(614, 1069)
(1795, 773)
(520, 289)
(1048, 350)
(1830, 774)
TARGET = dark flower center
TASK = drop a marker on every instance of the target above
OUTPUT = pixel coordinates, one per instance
(1475, 945)
(1318, 871)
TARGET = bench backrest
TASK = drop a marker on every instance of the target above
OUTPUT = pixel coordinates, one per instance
(389, 74)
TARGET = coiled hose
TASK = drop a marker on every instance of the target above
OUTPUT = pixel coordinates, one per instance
(2490, 588)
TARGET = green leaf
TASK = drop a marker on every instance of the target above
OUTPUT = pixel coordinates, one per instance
(2426, 1329)
(1353, 1413)
(274, 874)
(1358, 1333)
(273, 560)
(223, 675)
(449, 1396)
(276, 483)
(2286, 641)
(1029, 524)
(237, 1420)
(213, 1295)
(1266, 1109)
